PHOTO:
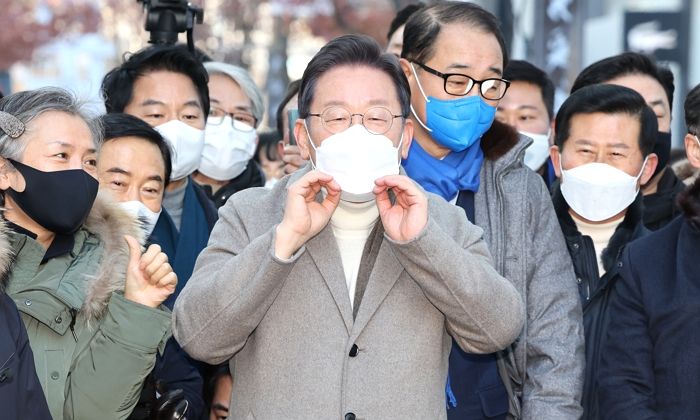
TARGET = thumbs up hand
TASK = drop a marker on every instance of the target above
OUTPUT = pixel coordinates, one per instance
(149, 277)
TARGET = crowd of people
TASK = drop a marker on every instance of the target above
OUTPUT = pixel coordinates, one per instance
(423, 236)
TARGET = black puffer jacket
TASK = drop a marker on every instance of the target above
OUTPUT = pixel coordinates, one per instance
(21, 396)
(595, 290)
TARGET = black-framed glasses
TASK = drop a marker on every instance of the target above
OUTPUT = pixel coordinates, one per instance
(241, 121)
(377, 119)
(458, 84)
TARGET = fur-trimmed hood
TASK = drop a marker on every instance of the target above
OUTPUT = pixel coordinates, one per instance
(499, 140)
(109, 223)
(5, 256)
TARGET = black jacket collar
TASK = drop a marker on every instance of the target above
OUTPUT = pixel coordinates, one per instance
(252, 176)
(660, 207)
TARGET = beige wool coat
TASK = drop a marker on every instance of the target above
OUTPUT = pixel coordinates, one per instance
(287, 326)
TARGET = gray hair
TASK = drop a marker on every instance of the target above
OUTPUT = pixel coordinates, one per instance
(243, 79)
(27, 105)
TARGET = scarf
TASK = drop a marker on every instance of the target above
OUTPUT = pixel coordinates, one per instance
(458, 171)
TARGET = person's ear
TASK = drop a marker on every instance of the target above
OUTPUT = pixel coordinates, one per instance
(692, 150)
(280, 149)
(407, 138)
(406, 67)
(551, 133)
(649, 168)
(555, 156)
(302, 135)
(10, 177)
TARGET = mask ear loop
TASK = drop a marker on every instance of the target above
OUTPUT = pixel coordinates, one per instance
(313, 146)
(427, 101)
(643, 165)
(399, 147)
(641, 171)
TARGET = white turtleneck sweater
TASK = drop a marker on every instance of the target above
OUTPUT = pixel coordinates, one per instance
(600, 233)
(352, 223)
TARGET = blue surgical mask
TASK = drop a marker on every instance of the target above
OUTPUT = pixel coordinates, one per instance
(455, 124)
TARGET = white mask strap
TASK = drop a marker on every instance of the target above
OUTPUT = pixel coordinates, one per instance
(413, 69)
(413, 111)
(399, 147)
(643, 165)
(313, 146)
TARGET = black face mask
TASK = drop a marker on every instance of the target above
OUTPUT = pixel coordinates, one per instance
(662, 148)
(59, 201)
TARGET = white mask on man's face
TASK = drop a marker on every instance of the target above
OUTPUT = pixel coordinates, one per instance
(227, 149)
(537, 153)
(146, 217)
(186, 145)
(356, 158)
(598, 191)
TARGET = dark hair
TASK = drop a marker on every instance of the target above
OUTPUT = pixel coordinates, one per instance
(666, 80)
(267, 143)
(689, 203)
(292, 90)
(522, 71)
(608, 99)
(692, 111)
(123, 125)
(118, 85)
(211, 379)
(202, 56)
(423, 27)
(622, 65)
(401, 18)
(352, 50)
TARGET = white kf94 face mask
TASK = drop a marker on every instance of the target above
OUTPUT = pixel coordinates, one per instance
(598, 191)
(355, 158)
(537, 153)
(186, 144)
(227, 149)
(143, 214)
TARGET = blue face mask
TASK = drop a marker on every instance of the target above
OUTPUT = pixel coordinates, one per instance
(455, 124)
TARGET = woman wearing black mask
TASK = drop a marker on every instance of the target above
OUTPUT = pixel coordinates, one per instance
(89, 298)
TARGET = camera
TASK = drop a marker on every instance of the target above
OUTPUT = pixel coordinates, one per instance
(165, 19)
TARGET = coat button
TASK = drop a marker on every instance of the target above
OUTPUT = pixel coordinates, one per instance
(350, 416)
(619, 264)
(28, 302)
(575, 246)
(55, 375)
(5, 374)
(579, 280)
(58, 319)
(353, 353)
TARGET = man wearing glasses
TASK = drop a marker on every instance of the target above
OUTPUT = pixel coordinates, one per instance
(230, 139)
(453, 56)
(337, 293)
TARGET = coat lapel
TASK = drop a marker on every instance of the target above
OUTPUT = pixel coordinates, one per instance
(324, 251)
(386, 271)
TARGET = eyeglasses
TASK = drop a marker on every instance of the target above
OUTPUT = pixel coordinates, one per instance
(377, 120)
(458, 84)
(242, 121)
